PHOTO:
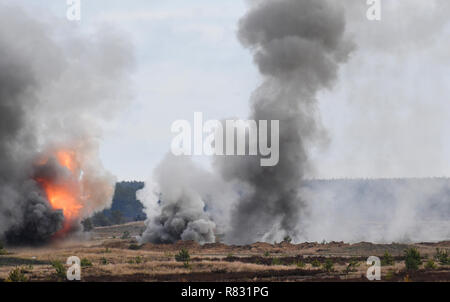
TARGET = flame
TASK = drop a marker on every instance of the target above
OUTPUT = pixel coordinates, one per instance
(64, 194)
(66, 158)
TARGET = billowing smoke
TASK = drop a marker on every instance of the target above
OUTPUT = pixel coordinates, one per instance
(55, 86)
(185, 203)
(297, 46)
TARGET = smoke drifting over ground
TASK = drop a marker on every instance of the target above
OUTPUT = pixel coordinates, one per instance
(377, 210)
(55, 86)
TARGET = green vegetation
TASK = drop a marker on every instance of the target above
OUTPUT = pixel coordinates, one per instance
(2, 249)
(183, 256)
(59, 268)
(300, 264)
(430, 264)
(328, 265)
(104, 261)
(352, 267)
(85, 262)
(387, 259)
(412, 259)
(266, 254)
(229, 256)
(17, 275)
(126, 235)
(134, 246)
(315, 263)
(276, 261)
(139, 260)
(287, 239)
(389, 275)
(87, 225)
(442, 257)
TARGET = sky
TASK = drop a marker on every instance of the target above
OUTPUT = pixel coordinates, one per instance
(387, 115)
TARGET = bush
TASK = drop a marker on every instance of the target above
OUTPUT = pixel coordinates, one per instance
(287, 239)
(412, 259)
(87, 225)
(126, 235)
(2, 249)
(276, 261)
(85, 262)
(328, 265)
(183, 256)
(16, 275)
(442, 257)
(430, 264)
(300, 264)
(387, 259)
(134, 246)
(351, 267)
(266, 254)
(59, 268)
(139, 260)
(103, 261)
(389, 275)
(229, 255)
(315, 263)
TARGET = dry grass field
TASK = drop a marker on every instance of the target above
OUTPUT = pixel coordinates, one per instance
(112, 254)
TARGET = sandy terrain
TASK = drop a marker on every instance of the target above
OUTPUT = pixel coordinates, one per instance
(111, 256)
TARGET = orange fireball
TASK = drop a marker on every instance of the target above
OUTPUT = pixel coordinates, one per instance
(64, 194)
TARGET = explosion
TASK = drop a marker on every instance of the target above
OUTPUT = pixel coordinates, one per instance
(64, 193)
(51, 175)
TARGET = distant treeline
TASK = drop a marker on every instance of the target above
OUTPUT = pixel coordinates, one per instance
(125, 207)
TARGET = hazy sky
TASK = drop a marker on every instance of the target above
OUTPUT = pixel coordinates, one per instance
(387, 116)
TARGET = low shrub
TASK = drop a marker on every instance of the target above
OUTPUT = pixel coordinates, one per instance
(16, 275)
(300, 264)
(183, 256)
(139, 260)
(387, 259)
(60, 269)
(287, 239)
(126, 235)
(85, 262)
(352, 267)
(430, 264)
(412, 259)
(134, 247)
(442, 257)
(276, 261)
(328, 265)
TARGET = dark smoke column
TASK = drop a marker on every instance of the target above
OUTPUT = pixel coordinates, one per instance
(298, 46)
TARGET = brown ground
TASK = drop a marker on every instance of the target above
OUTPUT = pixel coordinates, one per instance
(115, 259)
